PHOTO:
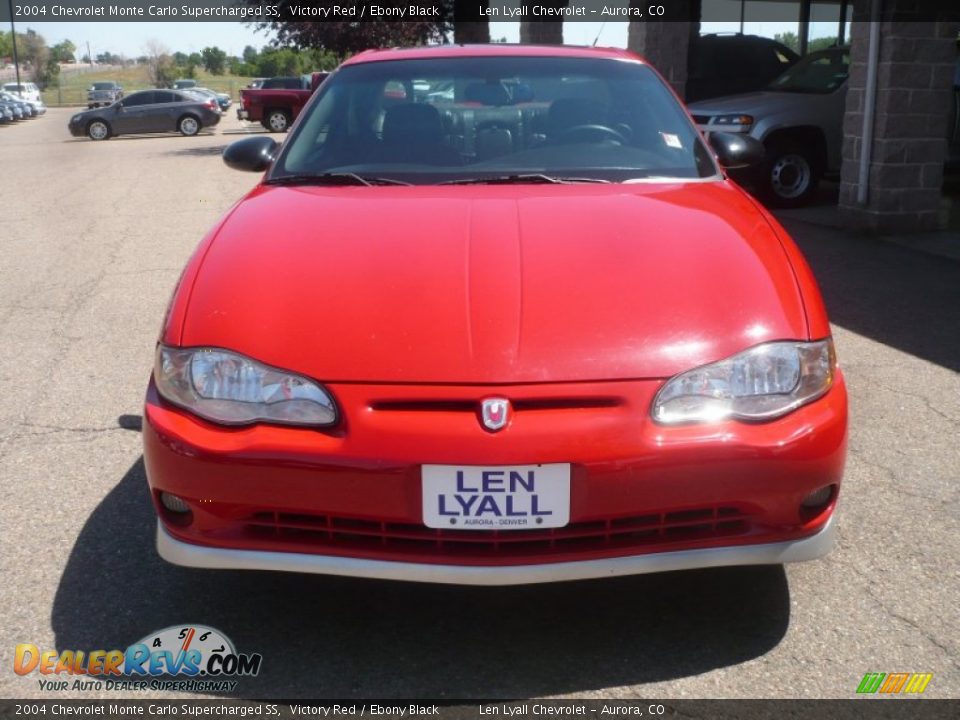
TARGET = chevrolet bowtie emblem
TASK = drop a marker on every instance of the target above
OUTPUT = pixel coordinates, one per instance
(495, 413)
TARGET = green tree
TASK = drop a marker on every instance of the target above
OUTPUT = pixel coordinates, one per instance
(250, 54)
(159, 63)
(317, 59)
(236, 66)
(33, 52)
(821, 44)
(278, 61)
(345, 38)
(789, 39)
(6, 44)
(64, 52)
(108, 58)
(214, 60)
(48, 74)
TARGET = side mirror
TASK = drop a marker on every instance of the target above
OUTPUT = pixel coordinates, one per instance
(253, 154)
(735, 150)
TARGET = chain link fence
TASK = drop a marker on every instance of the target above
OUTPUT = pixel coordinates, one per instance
(76, 78)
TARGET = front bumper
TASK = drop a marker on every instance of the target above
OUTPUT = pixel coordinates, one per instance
(349, 500)
(188, 555)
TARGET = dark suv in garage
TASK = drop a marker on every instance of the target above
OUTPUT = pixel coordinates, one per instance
(731, 64)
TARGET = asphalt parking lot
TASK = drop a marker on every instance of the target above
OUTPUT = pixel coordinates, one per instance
(94, 236)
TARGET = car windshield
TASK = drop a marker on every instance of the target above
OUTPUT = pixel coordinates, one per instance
(103, 86)
(821, 72)
(476, 119)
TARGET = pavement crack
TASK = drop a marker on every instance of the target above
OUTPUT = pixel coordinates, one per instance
(55, 429)
(895, 484)
(913, 624)
(923, 399)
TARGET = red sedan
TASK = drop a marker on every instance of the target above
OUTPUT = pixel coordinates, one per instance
(495, 315)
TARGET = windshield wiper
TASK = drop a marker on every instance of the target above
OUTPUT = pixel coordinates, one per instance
(339, 178)
(525, 179)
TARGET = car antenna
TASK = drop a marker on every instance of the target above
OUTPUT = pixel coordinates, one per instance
(597, 38)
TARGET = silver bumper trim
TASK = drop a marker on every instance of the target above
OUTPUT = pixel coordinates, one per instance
(199, 556)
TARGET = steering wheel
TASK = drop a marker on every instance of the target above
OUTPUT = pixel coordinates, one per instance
(584, 133)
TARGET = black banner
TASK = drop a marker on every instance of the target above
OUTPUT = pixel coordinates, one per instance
(455, 10)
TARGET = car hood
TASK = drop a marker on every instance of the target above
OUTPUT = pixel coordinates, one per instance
(493, 284)
(755, 103)
(102, 111)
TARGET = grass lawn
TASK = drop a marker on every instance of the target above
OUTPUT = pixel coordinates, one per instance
(73, 86)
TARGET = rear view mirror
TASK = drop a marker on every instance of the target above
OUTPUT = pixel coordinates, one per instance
(253, 154)
(735, 150)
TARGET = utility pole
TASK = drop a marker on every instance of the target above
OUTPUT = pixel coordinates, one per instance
(89, 56)
(13, 34)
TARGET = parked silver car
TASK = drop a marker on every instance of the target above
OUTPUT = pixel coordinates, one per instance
(103, 93)
(25, 91)
(222, 99)
(799, 120)
(147, 111)
(25, 108)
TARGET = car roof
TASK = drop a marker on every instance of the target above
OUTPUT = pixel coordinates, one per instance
(492, 50)
(728, 37)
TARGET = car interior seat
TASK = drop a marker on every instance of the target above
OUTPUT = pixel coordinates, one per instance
(413, 133)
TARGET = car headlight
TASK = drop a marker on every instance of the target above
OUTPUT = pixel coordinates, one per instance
(231, 389)
(761, 383)
(75, 119)
(733, 123)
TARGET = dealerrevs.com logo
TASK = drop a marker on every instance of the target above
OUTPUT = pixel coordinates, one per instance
(200, 658)
(894, 683)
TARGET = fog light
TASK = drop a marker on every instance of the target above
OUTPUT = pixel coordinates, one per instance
(173, 503)
(818, 498)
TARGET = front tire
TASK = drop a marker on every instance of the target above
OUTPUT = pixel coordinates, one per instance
(790, 176)
(277, 121)
(98, 130)
(188, 125)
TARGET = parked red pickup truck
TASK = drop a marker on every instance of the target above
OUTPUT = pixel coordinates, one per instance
(279, 100)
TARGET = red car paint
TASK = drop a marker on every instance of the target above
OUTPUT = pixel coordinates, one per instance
(575, 302)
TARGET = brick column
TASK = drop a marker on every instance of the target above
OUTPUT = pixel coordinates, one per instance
(665, 44)
(913, 105)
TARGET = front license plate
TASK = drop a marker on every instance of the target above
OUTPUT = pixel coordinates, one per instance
(514, 497)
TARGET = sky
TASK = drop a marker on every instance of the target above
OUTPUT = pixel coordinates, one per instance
(129, 38)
